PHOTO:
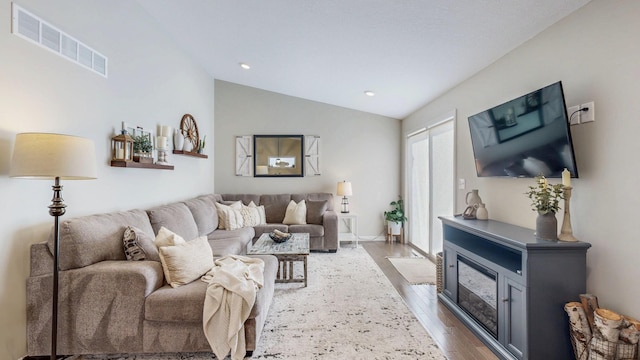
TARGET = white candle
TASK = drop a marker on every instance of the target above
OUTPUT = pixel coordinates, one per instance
(166, 131)
(566, 178)
(162, 142)
(124, 127)
(120, 154)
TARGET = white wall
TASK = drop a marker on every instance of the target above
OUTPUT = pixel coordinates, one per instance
(595, 52)
(150, 82)
(356, 146)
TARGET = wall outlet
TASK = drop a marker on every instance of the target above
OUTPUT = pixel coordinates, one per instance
(574, 115)
(461, 184)
(588, 115)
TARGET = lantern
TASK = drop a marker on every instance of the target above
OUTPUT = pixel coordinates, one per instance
(122, 147)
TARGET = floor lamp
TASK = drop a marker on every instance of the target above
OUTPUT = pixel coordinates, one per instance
(53, 156)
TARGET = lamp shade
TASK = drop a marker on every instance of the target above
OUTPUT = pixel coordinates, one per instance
(47, 156)
(344, 189)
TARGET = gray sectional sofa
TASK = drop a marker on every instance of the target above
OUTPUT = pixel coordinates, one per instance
(110, 305)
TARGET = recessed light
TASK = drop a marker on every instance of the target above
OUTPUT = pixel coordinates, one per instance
(369, 93)
(245, 66)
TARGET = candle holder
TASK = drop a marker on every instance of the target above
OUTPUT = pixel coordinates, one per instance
(566, 233)
(162, 157)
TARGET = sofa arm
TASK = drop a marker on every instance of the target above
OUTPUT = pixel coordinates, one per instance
(100, 309)
(330, 223)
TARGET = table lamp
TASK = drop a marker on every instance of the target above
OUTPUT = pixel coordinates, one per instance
(344, 190)
(53, 156)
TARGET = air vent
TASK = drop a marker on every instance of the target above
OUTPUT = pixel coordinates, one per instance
(30, 27)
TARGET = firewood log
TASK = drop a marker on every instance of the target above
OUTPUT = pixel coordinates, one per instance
(630, 332)
(607, 325)
(590, 304)
(579, 329)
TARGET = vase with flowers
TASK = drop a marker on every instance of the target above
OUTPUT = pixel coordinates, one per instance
(545, 199)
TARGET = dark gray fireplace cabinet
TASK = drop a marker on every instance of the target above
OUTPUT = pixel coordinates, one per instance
(533, 281)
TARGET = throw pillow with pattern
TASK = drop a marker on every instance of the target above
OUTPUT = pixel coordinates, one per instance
(132, 249)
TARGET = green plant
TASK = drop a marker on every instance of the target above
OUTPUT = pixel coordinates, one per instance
(203, 142)
(545, 198)
(397, 214)
(142, 143)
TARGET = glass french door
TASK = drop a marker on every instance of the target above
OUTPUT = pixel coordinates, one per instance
(430, 184)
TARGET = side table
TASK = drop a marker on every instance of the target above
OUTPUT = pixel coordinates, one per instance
(352, 227)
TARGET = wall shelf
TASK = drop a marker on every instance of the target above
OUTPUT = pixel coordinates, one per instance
(190, 153)
(133, 164)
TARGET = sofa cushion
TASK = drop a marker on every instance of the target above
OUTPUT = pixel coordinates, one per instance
(204, 213)
(176, 217)
(322, 197)
(295, 213)
(186, 262)
(312, 229)
(222, 208)
(250, 215)
(229, 246)
(233, 219)
(185, 304)
(90, 239)
(167, 237)
(138, 245)
(275, 207)
(315, 211)
(261, 212)
(245, 198)
(230, 242)
(245, 234)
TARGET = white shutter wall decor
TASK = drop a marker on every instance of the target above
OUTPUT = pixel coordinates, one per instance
(312, 155)
(30, 27)
(244, 155)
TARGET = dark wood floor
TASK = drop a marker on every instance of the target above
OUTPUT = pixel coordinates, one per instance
(455, 340)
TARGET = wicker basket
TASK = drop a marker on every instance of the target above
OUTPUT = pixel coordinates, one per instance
(439, 274)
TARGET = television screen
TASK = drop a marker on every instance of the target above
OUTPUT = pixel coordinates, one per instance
(525, 137)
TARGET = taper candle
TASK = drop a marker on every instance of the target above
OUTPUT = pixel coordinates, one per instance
(566, 178)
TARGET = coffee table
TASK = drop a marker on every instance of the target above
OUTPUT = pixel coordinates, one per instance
(294, 249)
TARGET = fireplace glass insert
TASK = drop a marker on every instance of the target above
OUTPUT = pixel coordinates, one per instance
(477, 293)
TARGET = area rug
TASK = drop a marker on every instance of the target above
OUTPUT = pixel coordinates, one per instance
(349, 310)
(416, 270)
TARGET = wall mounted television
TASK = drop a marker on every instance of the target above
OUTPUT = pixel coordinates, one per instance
(525, 137)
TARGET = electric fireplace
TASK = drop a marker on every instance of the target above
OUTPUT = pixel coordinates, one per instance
(478, 293)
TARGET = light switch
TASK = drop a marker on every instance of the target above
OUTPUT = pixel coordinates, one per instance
(461, 184)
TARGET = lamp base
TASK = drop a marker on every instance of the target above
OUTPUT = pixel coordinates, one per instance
(345, 205)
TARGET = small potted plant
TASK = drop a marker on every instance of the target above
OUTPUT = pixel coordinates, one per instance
(545, 199)
(201, 145)
(142, 148)
(395, 218)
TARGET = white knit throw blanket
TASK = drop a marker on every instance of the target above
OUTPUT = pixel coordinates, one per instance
(231, 293)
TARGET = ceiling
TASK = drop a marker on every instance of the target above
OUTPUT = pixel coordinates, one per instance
(407, 51)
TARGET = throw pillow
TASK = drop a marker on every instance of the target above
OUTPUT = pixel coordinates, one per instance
(143, 241)
(132, 250)
(316, 210)
(221, 214)
(250, 216)
(167, 237)
(262, 213)
(233, 219)
(186, 262)
(296, 214)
